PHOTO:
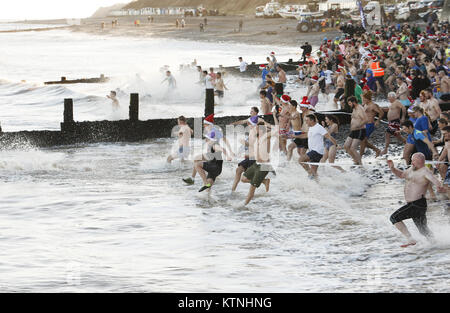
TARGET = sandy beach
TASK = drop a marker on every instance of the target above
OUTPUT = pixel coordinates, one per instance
(258, 31)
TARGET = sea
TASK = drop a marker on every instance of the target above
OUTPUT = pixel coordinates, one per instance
(117, 218)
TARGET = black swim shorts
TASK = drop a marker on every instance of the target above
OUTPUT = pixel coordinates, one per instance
(359, 134)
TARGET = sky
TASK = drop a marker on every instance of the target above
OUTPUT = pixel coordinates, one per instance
(51, 9)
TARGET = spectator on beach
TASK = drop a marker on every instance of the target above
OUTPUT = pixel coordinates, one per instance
(241, 24)
(202, 29)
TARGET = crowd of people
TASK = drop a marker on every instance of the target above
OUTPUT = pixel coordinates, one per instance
(402, 64)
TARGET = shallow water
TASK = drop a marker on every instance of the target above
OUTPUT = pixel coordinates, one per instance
(115, 217)
(88, 219)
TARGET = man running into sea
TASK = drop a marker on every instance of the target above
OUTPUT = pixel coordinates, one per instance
(357, 130)
(184, 136)
(316, 133)
(372, 110)
(211, 162)
(396, 116)
(418, 177)
(256, 174)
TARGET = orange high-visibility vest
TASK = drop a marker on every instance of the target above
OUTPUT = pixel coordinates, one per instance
(377, 70)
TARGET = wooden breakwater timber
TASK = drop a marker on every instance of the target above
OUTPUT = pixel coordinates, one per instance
(95, 80)
(253, 69)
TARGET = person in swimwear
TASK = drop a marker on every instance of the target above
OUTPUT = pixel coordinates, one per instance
(357, 130)
(418, 177)
(184, 136)
(372, 110)
(331, 124)
(283, 122)
(396, 116)
(296, 126)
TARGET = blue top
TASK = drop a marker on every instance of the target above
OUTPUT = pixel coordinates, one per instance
(422, 124)
(264, 73)
(420, 145)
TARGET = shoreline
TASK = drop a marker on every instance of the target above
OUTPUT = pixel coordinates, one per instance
(219, 29)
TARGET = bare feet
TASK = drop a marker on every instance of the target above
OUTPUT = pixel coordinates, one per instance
(412, 242)
(384, 152)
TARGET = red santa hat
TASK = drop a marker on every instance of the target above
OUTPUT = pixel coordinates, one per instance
(304, 102)
(365, 88)
(261, 67)
(366, 45)
(308, 54)
(409, 78)
(374, 58)
(363, 80)
(209, 119)
(272, 53)
(410, 58)
(376, 48)
(285, 98)
(315, 78)
(340, 65)
(338, 70)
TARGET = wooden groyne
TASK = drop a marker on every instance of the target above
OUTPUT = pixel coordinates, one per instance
(95, 80)
(253, 70)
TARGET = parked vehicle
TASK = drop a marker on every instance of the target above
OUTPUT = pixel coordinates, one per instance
(271, 9)
(259, 12)
(291, 10)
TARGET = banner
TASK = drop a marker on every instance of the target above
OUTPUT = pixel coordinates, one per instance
(363, 16)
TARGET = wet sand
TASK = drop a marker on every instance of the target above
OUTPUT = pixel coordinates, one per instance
(258, 31)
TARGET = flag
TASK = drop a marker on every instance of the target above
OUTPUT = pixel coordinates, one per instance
(363, 17)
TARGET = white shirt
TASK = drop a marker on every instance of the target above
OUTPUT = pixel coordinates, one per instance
(208, 82)
(315, 138)
(328, 77)
(243, 66)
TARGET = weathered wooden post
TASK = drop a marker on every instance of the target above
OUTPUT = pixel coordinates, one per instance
(134, 107)
(209, 101)
(68, 110)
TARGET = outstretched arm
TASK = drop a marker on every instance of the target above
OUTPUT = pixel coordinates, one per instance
(429, 175)
(396, 171)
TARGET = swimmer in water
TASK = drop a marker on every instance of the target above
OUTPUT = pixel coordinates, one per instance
(418, 177)
(115, 103)
(184, 136)
(249, 142)
(211, 161)
(257, 173)
(171, 80)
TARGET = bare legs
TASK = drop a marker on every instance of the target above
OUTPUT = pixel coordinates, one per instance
(237, 177)
(351, 146)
